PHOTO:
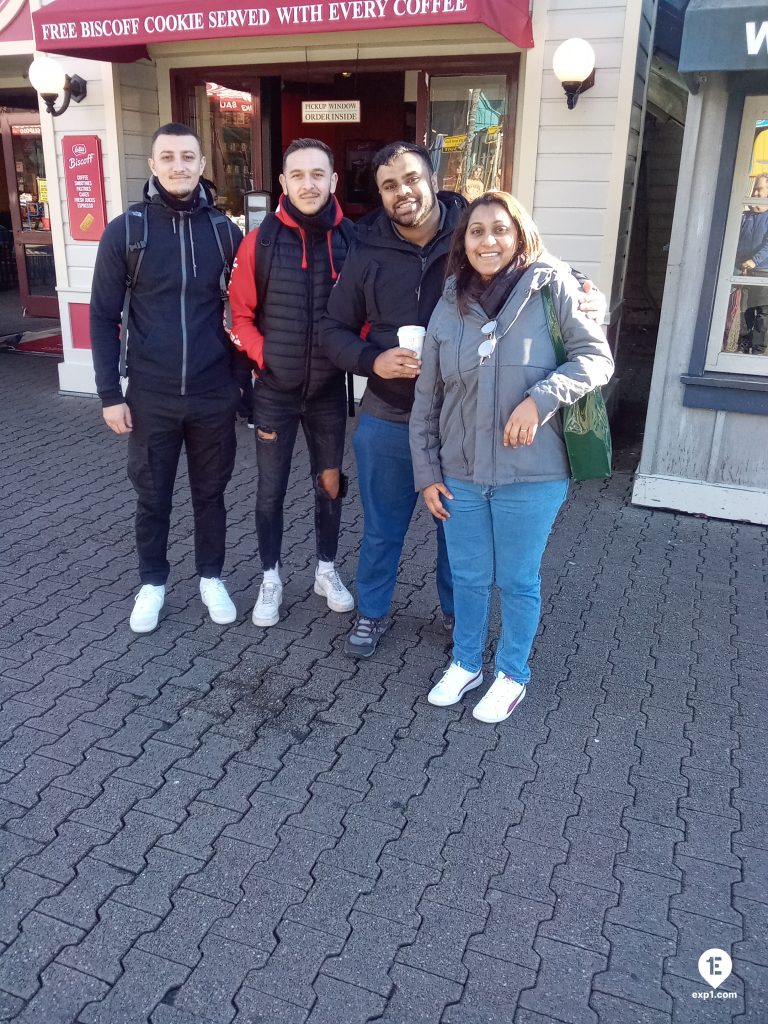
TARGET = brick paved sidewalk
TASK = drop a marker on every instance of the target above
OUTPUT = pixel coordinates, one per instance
(211, 824)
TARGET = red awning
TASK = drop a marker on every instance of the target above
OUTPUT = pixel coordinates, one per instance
(123, 32)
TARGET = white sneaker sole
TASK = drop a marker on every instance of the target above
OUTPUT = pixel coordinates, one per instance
(265, 621)
(222, 620)
(145, 629)
(472, 684)
(333, 603)
(481, 716)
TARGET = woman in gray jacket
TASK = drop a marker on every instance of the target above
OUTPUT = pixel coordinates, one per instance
(487, 443)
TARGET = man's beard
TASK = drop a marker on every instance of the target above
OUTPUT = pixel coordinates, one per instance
(422, 212)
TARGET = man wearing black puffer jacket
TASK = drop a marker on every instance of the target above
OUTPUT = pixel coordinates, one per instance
(280, 284)
(182, 386)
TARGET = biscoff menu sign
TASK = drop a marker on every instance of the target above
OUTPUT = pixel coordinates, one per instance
(84, 185)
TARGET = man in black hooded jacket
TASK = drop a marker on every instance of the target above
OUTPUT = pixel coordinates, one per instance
(182, 386)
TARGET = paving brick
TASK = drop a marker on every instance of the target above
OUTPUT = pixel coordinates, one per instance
(293, 780)
(201, 829)
(422, 843)
(258, 1006)
(237, 785)
(543, 821)
(108, 810)
(707, 888)
(754, 863)
(57, 860)
(591, 860)
(578, 917)
(636, 967)
(25, 787)
(23, 743)
(418, 997)
(325, 811)
(610, 1008)
(367, 955)
(644, 902)
(260, 825)
(491, 993)
(180, 934)
(149, 769)
(651, 848)
(464, 881)
(89, 776)
(754, 947)
(174, 796)
(708, 837)
(212, 985)
(398, 890)
(529, 871)
(755, 980)
(695, 934)
(377, 732)
(563, 983)
(128, 849)
(78, 902)
(54, 807)
(441, 940)
(329, 901)
(257, 915)
(62, 996)
(158, 878)
(709, 793)
(137, 991)
(510, 929)
(21, 892)
(353, 767)
(297, 851)
(294, 963)
(101, 951)
(656, 802)
(40, 939)
(360, 846)
(223, 875)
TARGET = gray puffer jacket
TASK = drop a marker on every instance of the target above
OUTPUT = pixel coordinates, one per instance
(461, 408)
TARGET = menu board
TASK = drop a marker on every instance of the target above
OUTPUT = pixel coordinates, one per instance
(84, 186)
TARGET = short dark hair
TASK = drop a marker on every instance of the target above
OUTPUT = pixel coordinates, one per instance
(395, 149)
(174, 128)
(298, 144)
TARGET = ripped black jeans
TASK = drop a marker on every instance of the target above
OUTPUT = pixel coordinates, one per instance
(276, 418)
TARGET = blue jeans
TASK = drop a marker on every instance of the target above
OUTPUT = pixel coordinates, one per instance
(499, 533)
(277, 416)
(388, 496)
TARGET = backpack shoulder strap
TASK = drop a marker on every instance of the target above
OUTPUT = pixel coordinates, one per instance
(136, 234)
(265, 251)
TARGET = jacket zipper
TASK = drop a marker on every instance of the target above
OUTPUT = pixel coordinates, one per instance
(183, 307)
(461, 402)
(310, 321)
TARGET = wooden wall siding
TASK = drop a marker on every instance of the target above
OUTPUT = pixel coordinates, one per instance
(587, 156)
(139, 118)
(696, 445)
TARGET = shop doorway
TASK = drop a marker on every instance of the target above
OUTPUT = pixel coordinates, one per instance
(464, 114)
(27, 240)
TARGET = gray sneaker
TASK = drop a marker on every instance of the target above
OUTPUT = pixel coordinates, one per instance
(363, 639)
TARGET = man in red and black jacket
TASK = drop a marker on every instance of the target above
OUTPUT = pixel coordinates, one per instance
(275, 317)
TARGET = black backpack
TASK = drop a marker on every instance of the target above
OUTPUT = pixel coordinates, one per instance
(136, 234)
(265, 251)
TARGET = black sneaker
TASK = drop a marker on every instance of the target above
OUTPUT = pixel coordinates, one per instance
(364, 637)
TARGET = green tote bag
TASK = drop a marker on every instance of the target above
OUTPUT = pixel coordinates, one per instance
(586, 430)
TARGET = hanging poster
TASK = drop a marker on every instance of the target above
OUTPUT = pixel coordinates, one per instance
(84, 186)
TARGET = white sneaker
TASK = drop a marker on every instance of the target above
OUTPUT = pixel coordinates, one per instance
(266, 611)
(455, 683)
(329, 586)
(216, 599)
(500, 701)
(146, 608)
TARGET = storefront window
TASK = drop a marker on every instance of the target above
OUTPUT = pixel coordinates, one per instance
(31, 183)
(741, 304)
(467, 117)
(231, 145)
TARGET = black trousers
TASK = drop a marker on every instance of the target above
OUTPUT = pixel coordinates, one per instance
(277, 417)
(205, 426)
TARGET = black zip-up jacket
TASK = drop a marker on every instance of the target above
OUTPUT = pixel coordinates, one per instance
(177, 341)
(386, 283)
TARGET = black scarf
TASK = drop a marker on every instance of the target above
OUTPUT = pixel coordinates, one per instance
(494, 295)
(182, 205)
(319, 223)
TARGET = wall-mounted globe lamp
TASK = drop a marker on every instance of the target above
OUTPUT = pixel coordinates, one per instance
(574, 65)
(50, 80)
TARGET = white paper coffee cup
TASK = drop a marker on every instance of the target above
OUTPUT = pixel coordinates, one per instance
(411, 336)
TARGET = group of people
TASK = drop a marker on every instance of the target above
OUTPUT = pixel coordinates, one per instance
(472, 424)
